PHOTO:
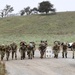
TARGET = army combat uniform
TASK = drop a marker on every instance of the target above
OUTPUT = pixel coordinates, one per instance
(56, 49)
(7, 50)
(64, 50)
(33, 50)
(73, 49)
(2, 52)
(30, 49)
(42, 48)
(22, 50)
(14, 50)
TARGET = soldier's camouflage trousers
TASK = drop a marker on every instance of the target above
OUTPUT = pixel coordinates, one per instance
(73, 53)
(42, 54)
(7, 55)
(30, 54)
(55, 53)
(14, 53)
(23, 54)
(64, 53)
(2, 55)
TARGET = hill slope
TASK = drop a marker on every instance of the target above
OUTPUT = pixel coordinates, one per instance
(36, 27)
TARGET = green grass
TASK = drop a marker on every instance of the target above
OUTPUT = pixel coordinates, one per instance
(37, 27)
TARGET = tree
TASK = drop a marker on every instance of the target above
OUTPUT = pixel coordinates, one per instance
(34, 10)
(27, 10)
(8, 9)
(22, 12)
(2, 13)
(45, 6)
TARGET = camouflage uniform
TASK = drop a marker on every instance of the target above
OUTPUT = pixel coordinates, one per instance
(2, 52)
(73, 48)
(56, 49)
(33, 49)
(14, 50)
(23, 48)
(64, 50)
(42, 48)
(7, 49)
(30, 49)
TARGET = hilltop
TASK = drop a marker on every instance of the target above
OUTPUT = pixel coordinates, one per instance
(37, 27)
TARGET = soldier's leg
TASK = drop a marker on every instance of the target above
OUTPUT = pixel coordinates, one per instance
(12, 55)
(57, 55)
(23, 55)
(54, 55)
(33, 53)
(63, 54)
(16, 55)
(40, 54)
(66, 54)
(2, 55)
(29, 55)
(73, 54)
(7, 56)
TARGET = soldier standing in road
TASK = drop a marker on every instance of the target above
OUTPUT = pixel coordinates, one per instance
(14, 50)
(42, 48)
(64, 50)
(7, 50)
(2, 52)
(56, 49)
(30, 49)
(73, 48)
(23, 49)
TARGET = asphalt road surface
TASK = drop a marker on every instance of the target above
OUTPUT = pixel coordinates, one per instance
(37, 66)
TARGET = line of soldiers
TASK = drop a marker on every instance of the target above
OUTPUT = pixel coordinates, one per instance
(23, 49)
(56, 49)
(30, 49)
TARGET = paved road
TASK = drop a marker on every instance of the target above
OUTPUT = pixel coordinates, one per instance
(37, 66)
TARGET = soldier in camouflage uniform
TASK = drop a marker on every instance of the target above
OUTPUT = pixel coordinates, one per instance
(14, 50)
(30, 49)
(7, 49)
(2, 52)
(33, 48)
(73, 49)
(42, 48)
(64, 50)
(23, 49)
(56, 49)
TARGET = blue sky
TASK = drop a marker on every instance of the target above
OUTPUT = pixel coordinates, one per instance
(60, 5)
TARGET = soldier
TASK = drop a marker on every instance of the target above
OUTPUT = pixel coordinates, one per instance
(56, 49)
(2, 52)
(23, 48)
(64, 50)
(33, 48)
(14, 50)
(30, 49)
(73, 48)
(7, 49)
(42, 48)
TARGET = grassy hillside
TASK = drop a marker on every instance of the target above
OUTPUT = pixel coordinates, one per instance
(37, 27)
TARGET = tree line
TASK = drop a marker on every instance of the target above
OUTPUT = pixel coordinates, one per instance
(44, 7)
